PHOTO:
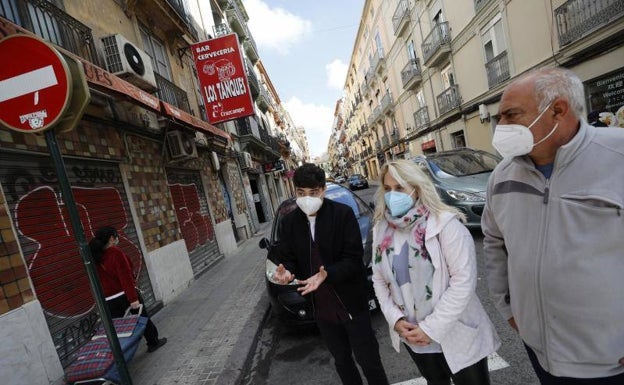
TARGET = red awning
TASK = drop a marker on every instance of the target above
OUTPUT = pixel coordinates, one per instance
(96, 76)
(205, 127)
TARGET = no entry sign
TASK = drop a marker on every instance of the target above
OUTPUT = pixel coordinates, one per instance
(35, 84)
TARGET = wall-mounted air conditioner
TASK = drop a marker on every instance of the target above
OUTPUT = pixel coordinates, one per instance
(181, 145)
(246, 161)
(127, 61)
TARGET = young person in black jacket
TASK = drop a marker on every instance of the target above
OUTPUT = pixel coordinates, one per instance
(321, 246)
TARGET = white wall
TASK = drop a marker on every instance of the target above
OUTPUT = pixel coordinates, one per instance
(170, 270)
(27, 354)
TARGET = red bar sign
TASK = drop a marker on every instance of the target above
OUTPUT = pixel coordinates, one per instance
(222, 79)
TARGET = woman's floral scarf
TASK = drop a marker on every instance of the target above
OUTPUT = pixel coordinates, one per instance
(403, 246)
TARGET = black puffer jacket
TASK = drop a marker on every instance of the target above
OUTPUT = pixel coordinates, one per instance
(337, 235)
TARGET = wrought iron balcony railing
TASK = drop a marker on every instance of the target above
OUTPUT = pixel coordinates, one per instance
(410, 73)
(438, 36)
(172, 94)
(386, 102)
(497, 69)
(400, 16)
(577, 18)
(378, 60)
(479, 5)
(421, 118)
(448, 99)
(54, 25)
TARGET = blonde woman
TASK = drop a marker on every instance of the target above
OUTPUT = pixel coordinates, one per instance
(424, 275)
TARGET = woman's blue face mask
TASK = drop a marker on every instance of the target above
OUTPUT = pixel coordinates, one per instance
(398, 202)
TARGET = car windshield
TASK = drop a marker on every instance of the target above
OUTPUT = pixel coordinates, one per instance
(355, 176)
(462, 164)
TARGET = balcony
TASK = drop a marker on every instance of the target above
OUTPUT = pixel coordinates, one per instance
(378, 61)
(421, 119)
(364, 87)
(54, 25)
(401, 17)
(370, 77)
(479, 4)
(172, 94)
(387, 103)
(497, 69)
(254, 85)
(578, 18)
(410, 75)
(263, 100)
(371, 120)
(449, 99)
(221, 30)
(251, 48)
(237, 20)
(377, 115)
(170, 16)
(385, 143)
(437, 45)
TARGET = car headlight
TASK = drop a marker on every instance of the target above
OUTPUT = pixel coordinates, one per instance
(465, 196)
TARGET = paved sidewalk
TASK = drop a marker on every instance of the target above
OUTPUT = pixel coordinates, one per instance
(211, 326)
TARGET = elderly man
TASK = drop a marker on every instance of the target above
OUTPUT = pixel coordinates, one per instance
(554, 230)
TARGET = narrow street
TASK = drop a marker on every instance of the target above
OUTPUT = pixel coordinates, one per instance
(285, 354)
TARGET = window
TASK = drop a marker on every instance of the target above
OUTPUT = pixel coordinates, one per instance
(411, 51)
(459, 140)
(493, 40)
(378, 44)
(158, 53)
(448, 79)
(420, 97)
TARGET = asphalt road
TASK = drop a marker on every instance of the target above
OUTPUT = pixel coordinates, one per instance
(285, 355)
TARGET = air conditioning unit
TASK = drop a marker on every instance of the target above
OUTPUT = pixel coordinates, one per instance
(181, 145)
(127, 61)
(246, 161)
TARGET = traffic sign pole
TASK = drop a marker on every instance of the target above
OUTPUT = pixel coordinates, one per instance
(85, 253)
(38, 92)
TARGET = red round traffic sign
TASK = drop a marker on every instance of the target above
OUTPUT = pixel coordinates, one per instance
(35, 84)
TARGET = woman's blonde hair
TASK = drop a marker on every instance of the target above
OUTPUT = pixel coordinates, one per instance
(410, 176)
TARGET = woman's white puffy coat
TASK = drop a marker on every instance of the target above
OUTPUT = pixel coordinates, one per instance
(458, 321)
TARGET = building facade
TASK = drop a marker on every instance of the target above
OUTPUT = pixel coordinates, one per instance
(143, 158)
(426, 76)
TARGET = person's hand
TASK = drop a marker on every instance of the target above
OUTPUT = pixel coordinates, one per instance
(312, 283)
(402, 326)
(282, 275)
(512, 323)
(134, 307)
(418, 337)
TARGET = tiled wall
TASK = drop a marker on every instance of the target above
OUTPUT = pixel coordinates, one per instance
(15, 289)
(148, 187)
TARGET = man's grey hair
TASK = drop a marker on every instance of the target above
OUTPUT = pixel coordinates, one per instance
(552, 83)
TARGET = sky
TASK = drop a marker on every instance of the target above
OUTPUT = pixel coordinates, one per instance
(306, 46)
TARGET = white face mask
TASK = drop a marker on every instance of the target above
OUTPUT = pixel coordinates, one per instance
(309, 205)
(516, 139)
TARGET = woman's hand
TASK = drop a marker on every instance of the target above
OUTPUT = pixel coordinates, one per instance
(418, 337)
(135, 305)
(312, 283)
(402, 326)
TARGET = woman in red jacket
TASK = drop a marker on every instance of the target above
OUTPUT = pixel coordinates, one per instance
(118, 284)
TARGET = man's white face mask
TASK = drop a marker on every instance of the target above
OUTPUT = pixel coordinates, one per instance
(516, 139)
(309, 205)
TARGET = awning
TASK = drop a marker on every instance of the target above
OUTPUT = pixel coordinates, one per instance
(180, 115)
(96, 76)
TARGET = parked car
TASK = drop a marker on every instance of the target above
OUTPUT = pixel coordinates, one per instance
(340, 179)
(286, 302)
(460, 177)
(357, 181)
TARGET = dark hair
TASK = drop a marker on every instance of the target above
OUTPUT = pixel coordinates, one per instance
(309, 175)
(100, 241)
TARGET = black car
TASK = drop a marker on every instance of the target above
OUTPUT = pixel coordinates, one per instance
(286, 302)
(357, 181)
(460, 177)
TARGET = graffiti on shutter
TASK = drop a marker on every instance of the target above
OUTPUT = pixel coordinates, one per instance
(47, 238)
(191, 208)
